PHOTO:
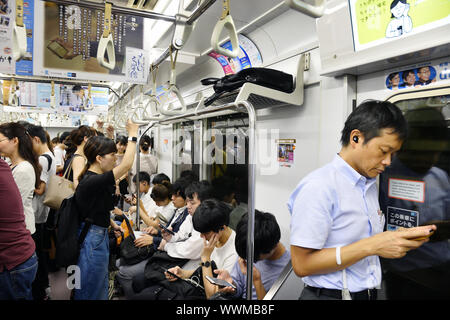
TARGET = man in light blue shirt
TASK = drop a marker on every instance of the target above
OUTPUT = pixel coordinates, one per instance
(336, 225)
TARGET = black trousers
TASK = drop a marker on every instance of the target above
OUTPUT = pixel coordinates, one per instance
(41, 281)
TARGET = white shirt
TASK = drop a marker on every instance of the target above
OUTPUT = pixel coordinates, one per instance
(225, 256)
(165, 213)
(25, 179)
(59, 155)
(335, 206)
(41, 210)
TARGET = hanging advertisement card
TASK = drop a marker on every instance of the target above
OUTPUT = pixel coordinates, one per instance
(70, 37)
(24, 66)
(7, 13)
(137, 65)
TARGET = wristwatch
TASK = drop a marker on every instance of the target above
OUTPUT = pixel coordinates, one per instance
(206, 264)
(134, 139)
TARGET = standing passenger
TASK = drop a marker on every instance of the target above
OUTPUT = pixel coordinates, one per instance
(94, 198)
(337, 227)
(15, 143)
(41, 285)
(18, 261)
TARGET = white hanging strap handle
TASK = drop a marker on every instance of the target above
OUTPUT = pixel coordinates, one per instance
(226, 21)
(168, 108)
(52, 96)
(303, 7)
(19, 34)
(134, 116)
(106, 43)
(151, 109)
(89, 103)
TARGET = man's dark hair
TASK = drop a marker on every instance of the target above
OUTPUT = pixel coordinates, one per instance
(267, 234)
(143, 176)
(159, 178)
(63, 136)
(201, 188)
(370, 117)
(222, 187)
(179, 187)
(189, 174)
(36, 131)
(211, 215)
(122, 140)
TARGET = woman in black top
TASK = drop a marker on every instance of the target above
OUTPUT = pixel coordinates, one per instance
(94, 198)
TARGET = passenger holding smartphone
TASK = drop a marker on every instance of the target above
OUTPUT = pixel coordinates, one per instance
(211, 220)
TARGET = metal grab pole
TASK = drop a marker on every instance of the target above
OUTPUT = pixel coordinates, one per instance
(116, 9)
(138, 168)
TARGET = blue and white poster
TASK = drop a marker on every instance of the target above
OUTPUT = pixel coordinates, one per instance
(24, 67)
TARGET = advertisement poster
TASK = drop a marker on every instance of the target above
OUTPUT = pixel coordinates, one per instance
(69, 39)
(24, 66)
(6, 30)
(375, 22)
(249, 56)
(137, 65)
(417, 76)
(70, 99)
(286, 149)
(73, 100)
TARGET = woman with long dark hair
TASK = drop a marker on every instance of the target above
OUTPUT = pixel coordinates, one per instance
(75, 154)
(147, 161)
(16, 144)
(94, 199)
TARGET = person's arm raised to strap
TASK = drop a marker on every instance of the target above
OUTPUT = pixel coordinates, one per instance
(130, 151)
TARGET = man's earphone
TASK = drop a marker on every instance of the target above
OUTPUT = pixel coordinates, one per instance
(355, 138)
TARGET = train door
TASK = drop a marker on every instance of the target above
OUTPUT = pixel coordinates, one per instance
(415, 190)
(187, 148)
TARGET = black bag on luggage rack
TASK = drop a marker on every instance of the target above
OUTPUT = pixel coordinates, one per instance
(265, 77)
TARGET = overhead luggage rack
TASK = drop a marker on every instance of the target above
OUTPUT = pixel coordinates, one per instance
(263, 97)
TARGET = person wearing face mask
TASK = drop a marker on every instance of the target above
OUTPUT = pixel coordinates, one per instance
(336, 224)
(211, 220)
(94, 199)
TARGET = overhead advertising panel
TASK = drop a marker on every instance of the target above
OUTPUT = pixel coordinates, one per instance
(68, 40)
(35, 97)
(375, 22)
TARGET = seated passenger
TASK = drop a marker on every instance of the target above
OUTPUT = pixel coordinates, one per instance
(174, 246)
(211, 220)
(270, 257)
(161, 194)
(224, 191)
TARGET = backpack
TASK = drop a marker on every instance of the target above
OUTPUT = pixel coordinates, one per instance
(265, 77)
(68, 242)
(49, 159)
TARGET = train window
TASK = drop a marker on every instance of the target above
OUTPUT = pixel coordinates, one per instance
(187, 148)
(415, 190)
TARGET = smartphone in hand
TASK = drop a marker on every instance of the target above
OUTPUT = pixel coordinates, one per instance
(220, 282)
(166, 229)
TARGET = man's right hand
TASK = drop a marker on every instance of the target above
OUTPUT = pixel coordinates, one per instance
(395, 244)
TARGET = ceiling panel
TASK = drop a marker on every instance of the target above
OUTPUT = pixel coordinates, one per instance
(242, 11)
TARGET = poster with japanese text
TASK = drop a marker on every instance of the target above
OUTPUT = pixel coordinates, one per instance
(70, 37)
(24, 67)
(375, 22)
(137, 65)
(6, 31)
